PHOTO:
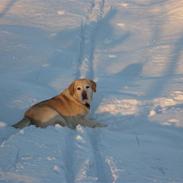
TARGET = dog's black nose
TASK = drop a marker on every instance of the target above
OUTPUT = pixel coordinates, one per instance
(84, 95)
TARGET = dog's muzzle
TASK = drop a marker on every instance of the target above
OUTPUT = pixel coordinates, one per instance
(84, 95)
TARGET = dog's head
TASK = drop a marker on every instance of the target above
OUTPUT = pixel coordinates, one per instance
(82, 90)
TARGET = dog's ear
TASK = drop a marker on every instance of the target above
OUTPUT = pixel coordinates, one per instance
(93, 85)
(71, 88)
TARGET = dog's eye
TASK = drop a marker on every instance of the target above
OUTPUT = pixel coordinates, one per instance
(87, 87)
(78, 88)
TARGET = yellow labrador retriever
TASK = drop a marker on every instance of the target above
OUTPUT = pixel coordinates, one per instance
(69, 108)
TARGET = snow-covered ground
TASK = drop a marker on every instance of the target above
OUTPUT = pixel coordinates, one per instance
(133, 49)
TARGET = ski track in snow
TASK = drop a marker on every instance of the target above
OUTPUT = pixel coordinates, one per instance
(87, 39)
(85, 69)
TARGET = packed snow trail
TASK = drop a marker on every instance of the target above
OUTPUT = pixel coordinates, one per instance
(85, 69)
(88, 34)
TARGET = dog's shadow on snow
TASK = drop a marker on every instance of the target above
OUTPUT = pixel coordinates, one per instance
(132, 73)
(113, 87)
(129, 76)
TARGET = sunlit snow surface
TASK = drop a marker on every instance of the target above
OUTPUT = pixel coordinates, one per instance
(133, 49)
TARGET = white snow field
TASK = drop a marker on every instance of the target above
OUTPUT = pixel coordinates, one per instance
(133, 49)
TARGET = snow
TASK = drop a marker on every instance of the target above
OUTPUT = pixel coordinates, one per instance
(2, 124)
(133, 50)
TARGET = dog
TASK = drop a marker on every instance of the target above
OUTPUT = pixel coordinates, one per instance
(69, 108)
